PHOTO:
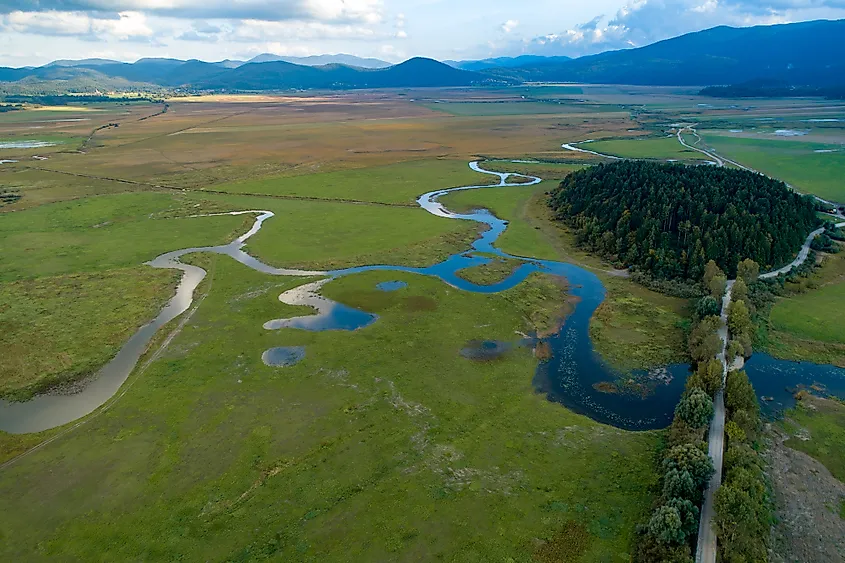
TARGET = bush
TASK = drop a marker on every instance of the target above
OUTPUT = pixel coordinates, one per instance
(666, 525)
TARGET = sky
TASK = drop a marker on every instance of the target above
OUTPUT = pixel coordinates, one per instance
(35, 32)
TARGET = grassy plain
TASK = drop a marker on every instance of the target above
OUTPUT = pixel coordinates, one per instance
(496, 270)
(58, 329)
(803, 325)
(824, 419)
(383, 443)
(347, 455)
(661, 148)
(399, 183)
(483, 109)
(636, 328)
(794, 162)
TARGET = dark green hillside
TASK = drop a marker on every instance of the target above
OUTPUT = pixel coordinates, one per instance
(806, 53)
(670, 219)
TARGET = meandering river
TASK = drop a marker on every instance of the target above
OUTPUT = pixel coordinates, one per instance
(571, 376)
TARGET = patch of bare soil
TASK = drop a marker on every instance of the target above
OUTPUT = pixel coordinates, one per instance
(807, 498)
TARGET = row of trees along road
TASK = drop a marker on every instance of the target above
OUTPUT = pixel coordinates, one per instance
(686, 468)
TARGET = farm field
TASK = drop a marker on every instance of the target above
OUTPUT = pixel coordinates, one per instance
(795, 162)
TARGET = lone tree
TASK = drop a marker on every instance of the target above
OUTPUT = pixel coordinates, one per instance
(748, 270)
(695, 408)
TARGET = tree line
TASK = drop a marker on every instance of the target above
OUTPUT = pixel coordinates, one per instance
(669, 220)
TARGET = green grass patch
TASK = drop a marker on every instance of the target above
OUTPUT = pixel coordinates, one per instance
(660, 148)
(487, 274)
(58, 329)
(348, 455)
(326, 235)
(803, 326)
(794, 162)
(548, 171)
(103, 233)
(402, 182)
(636, 328)
(825, 421)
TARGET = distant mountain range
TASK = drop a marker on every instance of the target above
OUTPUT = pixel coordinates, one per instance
(809, 55)
(507, 62)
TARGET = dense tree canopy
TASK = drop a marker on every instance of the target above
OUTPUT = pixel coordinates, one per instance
(670, 219)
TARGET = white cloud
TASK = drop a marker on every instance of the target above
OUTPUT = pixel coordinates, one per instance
(125, 26)
(509, 25)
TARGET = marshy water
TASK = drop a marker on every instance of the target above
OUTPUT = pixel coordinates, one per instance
(573, 374)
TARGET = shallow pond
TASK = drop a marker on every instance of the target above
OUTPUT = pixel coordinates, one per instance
(283, 356)
(391, 285)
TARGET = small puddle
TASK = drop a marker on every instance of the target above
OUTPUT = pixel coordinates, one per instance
(391, 285)
(283, 356)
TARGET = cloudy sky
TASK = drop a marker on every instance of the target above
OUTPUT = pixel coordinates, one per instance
(34, 32)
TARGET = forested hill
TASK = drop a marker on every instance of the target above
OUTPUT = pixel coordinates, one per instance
(670, 219)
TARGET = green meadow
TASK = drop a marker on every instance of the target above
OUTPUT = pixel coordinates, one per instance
(824, 420)
(399, 183)
(803, 325)
(659, 148)
(794, 162)
(348, 455)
